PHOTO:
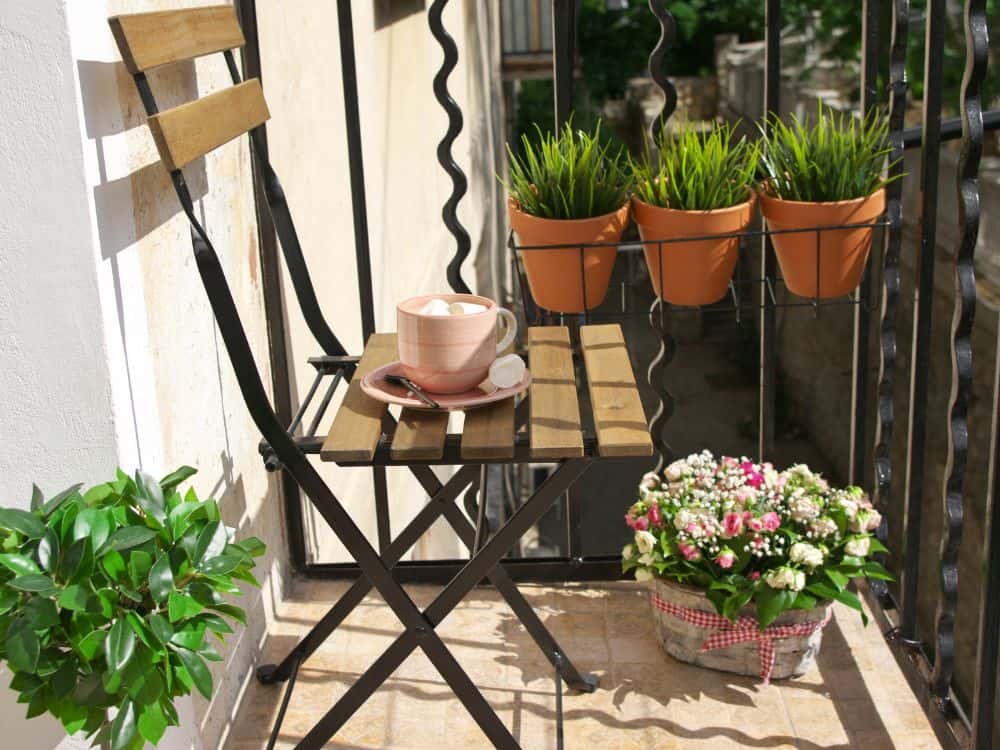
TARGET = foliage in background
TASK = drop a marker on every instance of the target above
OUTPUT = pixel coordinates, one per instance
(107, 601)
(694, 171)
(836, 158)
(569, 175)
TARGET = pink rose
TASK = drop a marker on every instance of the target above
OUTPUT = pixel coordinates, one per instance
(691, 528)
(756, 524)
(629, 521)
(690, 552)
(641, 524)
(729, 462)
(725, 559)
(755, 575)
(747, 515)
(771, 521)
(753, 477)
(732, 525)
(655, 517)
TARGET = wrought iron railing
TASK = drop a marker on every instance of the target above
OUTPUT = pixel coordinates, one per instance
(929, 662)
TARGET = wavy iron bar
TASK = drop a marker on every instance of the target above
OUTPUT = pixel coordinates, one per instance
(460, 184)
(890, 261)
(977, 48)
(668, 347)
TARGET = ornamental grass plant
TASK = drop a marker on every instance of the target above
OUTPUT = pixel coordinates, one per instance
(571, 174)
(745, 532)
(110, 600)
(837, 157)
(695, 171)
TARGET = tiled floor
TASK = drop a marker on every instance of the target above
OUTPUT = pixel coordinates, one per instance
(854, 698)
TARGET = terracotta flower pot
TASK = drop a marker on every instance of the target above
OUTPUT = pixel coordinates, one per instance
(554, 275)
(842, 252)
(695, 272)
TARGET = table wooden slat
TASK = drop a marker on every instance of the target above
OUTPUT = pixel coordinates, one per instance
(619, 419)
(554, 406)
(357, 427)
(489, 432)
(420, 435)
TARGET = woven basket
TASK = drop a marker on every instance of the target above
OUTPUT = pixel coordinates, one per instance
(682, 640)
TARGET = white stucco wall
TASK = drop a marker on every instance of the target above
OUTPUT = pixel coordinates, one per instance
(110, 351)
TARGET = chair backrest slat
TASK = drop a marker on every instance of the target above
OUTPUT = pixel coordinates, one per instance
(184, 133)
(147, 40)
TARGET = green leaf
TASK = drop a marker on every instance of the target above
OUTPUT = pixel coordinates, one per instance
(41, 613)
(161, 628)
(211, 542)
(876, 546)
(8, 600)
(197, 670)
(93, 523)
(175, 477)
(91, 644)
(114, 565)
(215, 623)
(73, 715)
(146, 687)
(74, 598)
(140, 563)
(96, 495)
(253, 546)
(839, 579)
(20, 564)
(232, 611)
(149, 496)
(123, 728)
(78, 562)
(182, 606)
(63, 682)
(191, 636)
(161, 578)
(771, 603)
(90, 691)
(34, 582)
(48, 551)
(733, 604)
(22, 646)
(875, 570)
(53, 505)
(152, 723)
(37, 498)
(23, 522)
(120, 645)
(220, 565)
(128, 537)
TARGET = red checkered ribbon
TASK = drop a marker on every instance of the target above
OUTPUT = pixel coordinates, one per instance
(729, 633)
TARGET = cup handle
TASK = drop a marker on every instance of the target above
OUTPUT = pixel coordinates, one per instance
(511, 323)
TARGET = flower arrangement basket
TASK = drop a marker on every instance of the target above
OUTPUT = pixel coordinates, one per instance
(686, 641)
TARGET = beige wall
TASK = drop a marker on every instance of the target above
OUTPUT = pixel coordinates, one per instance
(406, 188)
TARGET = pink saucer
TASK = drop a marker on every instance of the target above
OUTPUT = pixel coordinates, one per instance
(374, 385)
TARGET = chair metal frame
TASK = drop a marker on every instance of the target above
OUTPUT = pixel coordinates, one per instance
(281, 449)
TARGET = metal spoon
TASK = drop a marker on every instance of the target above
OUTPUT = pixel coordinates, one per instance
(415, 389)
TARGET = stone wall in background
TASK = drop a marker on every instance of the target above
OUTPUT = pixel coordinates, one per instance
(815, 353)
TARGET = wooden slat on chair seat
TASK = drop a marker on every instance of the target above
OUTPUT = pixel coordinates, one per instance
(147, 40)
(619, 420)
(357, 427)
(555, 409)
(419, 435)
(184, 133)
(489, 432)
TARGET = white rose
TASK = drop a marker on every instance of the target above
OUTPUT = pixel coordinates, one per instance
(646, 559)
(803, 508)
(858, 546)
(674, 471)
(642, 574)
(823, 526)
(628, 551)
(799, 581)
(683, 518)
(645, 541)
(806, 554)
(849, 505)
(866, 520)
(650, 481)
(780, 578)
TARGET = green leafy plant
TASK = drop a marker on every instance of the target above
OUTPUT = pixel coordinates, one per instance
(694, 171)
(569, 175)
(836, 158)
(107, 601)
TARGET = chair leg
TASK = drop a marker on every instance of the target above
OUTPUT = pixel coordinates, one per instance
(440, 500)
(474, 571)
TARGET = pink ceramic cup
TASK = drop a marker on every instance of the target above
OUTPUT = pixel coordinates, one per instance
(450, 353)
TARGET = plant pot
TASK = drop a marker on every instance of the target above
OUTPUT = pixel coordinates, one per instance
(841, 253)
(683, 640)
(695, 272)
(554, 276)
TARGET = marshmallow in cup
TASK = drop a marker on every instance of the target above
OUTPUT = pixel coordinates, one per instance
(440, 307)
